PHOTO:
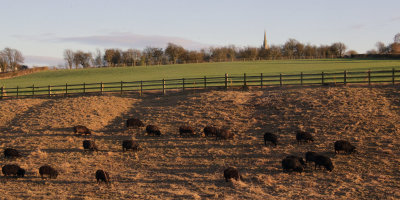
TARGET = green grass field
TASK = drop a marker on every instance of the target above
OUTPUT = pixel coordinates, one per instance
(96, 75)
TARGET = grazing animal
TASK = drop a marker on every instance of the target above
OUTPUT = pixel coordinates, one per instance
(210, 131)
(230, 173)
(292, 164)
(82, 130)
(310, 156)
(102, 176)
(11, 153)
(89, 145)
(153, 130)
(345, 146)
(321, 160)
(224, 134)
(130, 144)
(186, 130)
(301, 160)
(49, 171)
(304, 136)
(134, 123)
(271, 138)
(13, 170)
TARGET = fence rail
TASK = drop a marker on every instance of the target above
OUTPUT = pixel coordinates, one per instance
(261, 80)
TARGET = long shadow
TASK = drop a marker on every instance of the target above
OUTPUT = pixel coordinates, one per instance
(23, 117)
(153, 101)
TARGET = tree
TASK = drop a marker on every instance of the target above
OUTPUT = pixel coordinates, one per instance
(11, 59)
(195, 56)
(174, 52)
(382, 49)
(290, 48)
(310, 51)
(372, 51)
(275, 52)
(69, 57)
(351, 53)
(338, 49)
(130, 57)
(77, 59)
(153, 55)
(98, 61)
(397, 38)
(248, 53)
(108, 56)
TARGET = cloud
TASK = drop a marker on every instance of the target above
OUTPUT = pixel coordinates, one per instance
(358, 26)
(130, 40)
(395, 19)
(31, 60)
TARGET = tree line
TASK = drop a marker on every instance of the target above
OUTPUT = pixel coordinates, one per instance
(12, 59)
(176, 54)
(391, 48)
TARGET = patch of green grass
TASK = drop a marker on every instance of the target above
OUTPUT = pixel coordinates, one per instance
(96, 75)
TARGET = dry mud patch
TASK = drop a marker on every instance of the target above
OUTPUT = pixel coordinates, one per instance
(174, 167)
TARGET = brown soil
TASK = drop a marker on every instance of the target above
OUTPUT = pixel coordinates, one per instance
(174, 167)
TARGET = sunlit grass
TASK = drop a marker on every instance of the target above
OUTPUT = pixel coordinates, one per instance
(117, 74)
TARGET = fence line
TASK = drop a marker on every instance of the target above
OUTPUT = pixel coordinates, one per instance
(260, 80)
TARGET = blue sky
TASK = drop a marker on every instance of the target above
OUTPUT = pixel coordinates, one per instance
(42, 29)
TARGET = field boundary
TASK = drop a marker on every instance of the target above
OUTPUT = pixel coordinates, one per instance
(261, 80)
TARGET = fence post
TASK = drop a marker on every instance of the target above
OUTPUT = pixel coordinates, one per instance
(66, 88)
(49, 87)
(322, 78)
(141, 88)
(2, 91)
(345, 77)
(183, 84)
(101, 87)
(122, 86)
(280, 79)
(369, 77)
(163, 86)
(393, 75)
(33, 90)
(17, 91)
(84, 88)
(244, 80)
(301, 78)
(226, 81)
(261, 80)
(205, 82)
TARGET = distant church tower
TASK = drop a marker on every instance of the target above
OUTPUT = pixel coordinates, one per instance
(265, 45)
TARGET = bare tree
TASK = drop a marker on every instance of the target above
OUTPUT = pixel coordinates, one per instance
(69, 57)
(98, 61)
(397, 38)
(13, 58)
(338, 49)
(3, 62)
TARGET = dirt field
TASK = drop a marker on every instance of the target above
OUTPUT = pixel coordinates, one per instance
(174, 167)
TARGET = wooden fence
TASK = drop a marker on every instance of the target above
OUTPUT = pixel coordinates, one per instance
(260, 80)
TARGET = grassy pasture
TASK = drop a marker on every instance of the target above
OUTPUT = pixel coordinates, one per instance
(96, 75)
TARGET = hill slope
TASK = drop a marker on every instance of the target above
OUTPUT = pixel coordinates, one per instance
(96, 75)
(172, 167)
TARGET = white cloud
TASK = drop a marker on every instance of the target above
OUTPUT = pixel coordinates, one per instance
(130, 40)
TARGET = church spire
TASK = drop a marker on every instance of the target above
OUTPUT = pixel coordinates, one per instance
(265, 45)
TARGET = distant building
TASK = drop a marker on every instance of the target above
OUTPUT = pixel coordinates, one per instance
(265, 45)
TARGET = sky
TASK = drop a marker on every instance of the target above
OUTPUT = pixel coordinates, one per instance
(42, 29)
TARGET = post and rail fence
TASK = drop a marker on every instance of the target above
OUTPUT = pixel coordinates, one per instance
(261, 80)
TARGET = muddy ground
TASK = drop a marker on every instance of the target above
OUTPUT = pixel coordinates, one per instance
(174, 167)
